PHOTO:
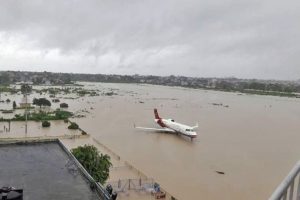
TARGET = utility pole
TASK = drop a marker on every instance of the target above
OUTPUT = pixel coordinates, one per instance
(26, 113)
(26, 103)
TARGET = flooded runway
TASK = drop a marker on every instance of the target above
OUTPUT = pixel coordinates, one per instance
(253, 140)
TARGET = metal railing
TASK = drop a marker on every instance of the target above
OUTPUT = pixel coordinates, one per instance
(99, 188)
(132, 184)
(289, 189)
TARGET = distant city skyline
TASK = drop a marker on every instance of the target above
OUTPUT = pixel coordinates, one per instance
(243, 39)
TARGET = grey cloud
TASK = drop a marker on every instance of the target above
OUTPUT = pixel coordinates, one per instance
(246, 38)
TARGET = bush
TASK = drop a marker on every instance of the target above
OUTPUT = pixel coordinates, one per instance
(19, 117)
(83, 133)
(60, 114)
(96, 165)
(7, 111)
(64, 105)
(73, 125)
(46, 124)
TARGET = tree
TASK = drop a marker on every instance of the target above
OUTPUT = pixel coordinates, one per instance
(26, 89)
(4, 78)
(14, 105)
(257, 86)
(38, 80)
(96, 164)
(41, 102)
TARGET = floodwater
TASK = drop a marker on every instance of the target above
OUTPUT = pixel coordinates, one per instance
(253, 139)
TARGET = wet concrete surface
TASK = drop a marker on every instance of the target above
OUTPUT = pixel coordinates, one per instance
(40, 170)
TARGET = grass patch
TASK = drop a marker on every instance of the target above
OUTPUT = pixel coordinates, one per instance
(41, 116)
(271, 93)
(7, 111)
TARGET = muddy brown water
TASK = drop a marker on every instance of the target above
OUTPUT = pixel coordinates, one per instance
(253, 140)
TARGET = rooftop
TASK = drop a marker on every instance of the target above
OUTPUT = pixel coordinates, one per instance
(40, 169)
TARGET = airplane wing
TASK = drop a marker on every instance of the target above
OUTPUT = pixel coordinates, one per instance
(155, 129)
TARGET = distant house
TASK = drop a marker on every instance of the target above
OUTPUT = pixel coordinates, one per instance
(55, 100)
(24, 82)
(25, 102)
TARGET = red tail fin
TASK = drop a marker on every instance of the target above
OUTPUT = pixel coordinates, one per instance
(156, 114)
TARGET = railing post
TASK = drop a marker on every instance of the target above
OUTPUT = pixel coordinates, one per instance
(140, 182)
(298, 189)
(292, 189)
(284, 195)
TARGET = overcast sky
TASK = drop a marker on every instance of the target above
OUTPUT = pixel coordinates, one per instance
(205, 38)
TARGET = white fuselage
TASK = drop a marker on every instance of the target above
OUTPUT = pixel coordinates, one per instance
(177, 127)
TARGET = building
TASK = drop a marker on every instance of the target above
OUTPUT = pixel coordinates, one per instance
(46, 170)
(25, 102)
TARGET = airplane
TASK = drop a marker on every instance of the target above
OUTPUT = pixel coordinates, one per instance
(169, 125)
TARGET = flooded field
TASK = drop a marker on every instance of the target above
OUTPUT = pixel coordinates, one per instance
(254, 140)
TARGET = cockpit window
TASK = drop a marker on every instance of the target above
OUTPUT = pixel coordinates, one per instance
(188, 130)
(172, 120)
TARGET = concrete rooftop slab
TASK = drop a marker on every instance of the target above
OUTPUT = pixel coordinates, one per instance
(40, 170)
